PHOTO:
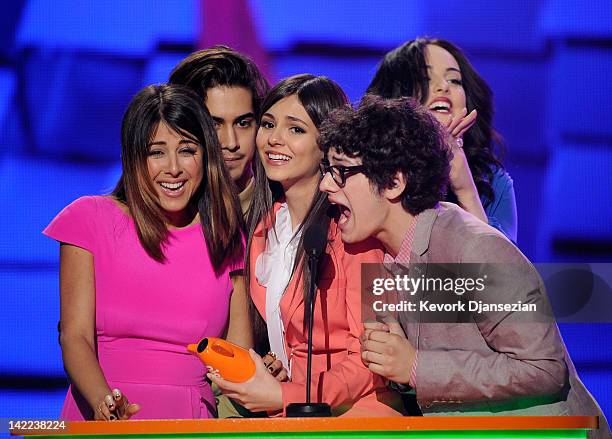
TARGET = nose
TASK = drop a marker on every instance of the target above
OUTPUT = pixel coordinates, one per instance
(276, 137)
(228, 138)
(328, 184)
(441, 85)
(174, 165)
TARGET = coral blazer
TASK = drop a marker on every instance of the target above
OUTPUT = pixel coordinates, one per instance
(339, 377)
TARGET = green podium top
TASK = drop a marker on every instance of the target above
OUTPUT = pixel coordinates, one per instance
(432, 427)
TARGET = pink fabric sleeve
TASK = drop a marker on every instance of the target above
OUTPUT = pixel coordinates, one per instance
(75, 224)
(238, 263)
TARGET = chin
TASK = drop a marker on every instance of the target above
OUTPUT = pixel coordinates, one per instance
(236, 172)
(275, 176)
(173, 209)
(348, 238)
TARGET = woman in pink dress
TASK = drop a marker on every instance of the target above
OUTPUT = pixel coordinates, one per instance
(151, 268)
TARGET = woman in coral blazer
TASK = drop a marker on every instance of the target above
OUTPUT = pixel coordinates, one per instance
(286, 202)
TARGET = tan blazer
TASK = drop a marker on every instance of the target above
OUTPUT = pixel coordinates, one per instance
(499, 366)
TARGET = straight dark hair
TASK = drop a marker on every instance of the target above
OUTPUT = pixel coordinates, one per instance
(403, 73)
(214, 201)
(220, 66)
(319, 96)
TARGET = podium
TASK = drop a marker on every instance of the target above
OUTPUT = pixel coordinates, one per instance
(432, 427)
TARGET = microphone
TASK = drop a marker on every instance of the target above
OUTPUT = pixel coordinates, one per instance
(315, 239)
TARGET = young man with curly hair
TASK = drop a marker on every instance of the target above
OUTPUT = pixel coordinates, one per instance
(386, 169)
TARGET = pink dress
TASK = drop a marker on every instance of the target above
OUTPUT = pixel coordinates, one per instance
(146, 311)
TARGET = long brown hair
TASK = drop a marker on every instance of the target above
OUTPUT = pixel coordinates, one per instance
(214, 201)
(319, 96)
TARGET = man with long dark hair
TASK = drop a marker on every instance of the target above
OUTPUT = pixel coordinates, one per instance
(232, 89)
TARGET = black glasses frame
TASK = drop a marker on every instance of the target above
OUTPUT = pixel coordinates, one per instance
(340, 173)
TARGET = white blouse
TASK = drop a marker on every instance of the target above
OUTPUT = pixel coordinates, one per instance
(273, 270)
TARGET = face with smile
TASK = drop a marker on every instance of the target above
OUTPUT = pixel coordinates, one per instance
(232, 111)
(446, 93)
(287, 144)
(175, 166)
(362, 210)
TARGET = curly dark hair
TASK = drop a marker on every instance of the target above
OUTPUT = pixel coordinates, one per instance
(390, 136)
(403, 72)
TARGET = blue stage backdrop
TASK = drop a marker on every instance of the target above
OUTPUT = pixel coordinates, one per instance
(68, 70)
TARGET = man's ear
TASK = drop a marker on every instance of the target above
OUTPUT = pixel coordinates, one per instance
(397, 187)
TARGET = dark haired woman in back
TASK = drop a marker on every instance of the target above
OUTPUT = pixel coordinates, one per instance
(151, 268)
(286, 202)
(438, 74)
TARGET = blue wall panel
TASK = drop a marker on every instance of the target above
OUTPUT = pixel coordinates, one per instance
(132, 27)
(40, 189)
(502, 27)
(29, 324)
(353, 74)
(360, 22)
(580, 90)
(75, 102)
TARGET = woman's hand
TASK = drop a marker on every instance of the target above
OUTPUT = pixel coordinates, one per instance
(262, 392)
(460, 174)
(461, 179)
(275, 367)
(115, 406)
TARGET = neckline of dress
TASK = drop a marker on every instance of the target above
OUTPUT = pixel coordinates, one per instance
(128, 216)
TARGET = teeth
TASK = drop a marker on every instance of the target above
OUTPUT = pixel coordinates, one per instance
(345, 214)
(444, 106)
(172, 186)
(278, 157)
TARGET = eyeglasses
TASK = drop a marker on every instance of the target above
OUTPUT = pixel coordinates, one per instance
(340, 173)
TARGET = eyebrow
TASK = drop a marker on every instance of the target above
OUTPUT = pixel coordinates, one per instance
(249, 115)
(296, 119)
(450, 69)
(181, 142)
(220, 120)
(291, 118)
(339, 159)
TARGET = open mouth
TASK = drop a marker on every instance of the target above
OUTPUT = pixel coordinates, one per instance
(172, 188)
(343, 212)
(345, 215)
(276, 157)
(440, 106)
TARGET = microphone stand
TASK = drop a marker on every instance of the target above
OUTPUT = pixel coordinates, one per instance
(308, 409)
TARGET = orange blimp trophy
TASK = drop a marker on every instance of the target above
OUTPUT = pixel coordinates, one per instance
(231, 361)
